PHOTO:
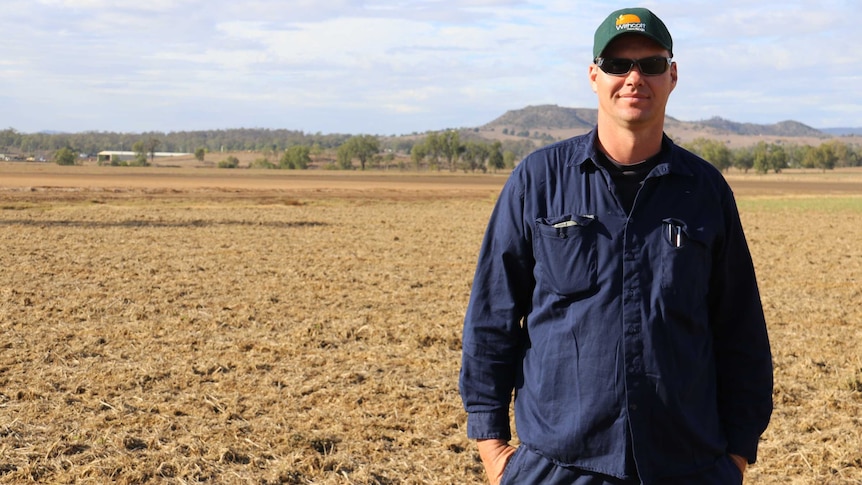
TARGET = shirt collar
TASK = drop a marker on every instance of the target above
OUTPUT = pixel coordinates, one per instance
(672, 160)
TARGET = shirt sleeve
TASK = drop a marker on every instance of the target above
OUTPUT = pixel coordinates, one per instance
(499, 300)
(742, 350)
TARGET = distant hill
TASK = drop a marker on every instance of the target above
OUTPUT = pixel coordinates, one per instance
(553, 118)
(842, 131)
(547, 117)
(784, 128)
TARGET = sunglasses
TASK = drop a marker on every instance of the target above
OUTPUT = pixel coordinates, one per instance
(620, 66)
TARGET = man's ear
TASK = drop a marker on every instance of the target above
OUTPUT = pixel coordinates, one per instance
(593, 72)
(673, 75)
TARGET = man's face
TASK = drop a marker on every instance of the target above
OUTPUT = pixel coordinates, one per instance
(633, 99)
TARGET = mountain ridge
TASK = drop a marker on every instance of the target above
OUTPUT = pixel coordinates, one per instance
(551, 117)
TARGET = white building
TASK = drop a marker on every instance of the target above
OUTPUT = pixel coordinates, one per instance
(115, 156)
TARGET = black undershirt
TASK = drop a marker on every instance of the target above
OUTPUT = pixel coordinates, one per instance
(628, 178)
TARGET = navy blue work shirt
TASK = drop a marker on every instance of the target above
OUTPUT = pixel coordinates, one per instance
(615, 330)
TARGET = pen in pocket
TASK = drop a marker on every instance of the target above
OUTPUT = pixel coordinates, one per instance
(563, 224)
(575, 221)
(674, 234)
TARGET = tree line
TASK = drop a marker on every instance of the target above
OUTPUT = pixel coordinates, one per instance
(446, 150)
(278, 148)
(241, 139)
(449, 150)
(765, 157)
(452, 150)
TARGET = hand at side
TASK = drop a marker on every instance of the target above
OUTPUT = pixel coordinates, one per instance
(495, 455)
(740, 462)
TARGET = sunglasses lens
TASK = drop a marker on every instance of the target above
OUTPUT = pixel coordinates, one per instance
(617, 66)
(653, 66)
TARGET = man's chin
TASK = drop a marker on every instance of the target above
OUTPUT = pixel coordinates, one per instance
(635, 116)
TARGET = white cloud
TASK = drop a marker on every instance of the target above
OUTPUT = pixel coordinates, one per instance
(401, 66)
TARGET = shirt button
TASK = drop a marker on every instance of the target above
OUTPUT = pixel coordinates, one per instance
(633, 407)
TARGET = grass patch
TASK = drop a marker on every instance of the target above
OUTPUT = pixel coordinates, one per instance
(827, 204)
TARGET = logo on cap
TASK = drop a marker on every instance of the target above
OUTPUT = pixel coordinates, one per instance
(630, 21)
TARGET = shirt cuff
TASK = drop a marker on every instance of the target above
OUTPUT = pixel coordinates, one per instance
(489, 425)
(745, 447)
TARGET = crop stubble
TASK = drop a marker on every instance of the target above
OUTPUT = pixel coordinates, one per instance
(298, 336)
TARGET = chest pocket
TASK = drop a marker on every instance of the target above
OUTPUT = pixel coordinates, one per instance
(565, 252)
(686, 264)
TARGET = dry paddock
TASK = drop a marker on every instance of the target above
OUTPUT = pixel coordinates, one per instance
(211, 326)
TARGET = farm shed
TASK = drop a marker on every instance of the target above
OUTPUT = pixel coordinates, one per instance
(118, 156)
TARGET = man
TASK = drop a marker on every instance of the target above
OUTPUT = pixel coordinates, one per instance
(616, 296)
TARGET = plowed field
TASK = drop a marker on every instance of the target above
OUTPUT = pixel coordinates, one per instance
(215, 326)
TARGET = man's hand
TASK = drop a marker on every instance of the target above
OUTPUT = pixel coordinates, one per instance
(740, 462)
(495, 456)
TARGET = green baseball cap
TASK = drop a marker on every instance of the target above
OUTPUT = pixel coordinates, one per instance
(631, 21)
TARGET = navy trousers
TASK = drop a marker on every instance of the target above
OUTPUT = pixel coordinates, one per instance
(526, 467)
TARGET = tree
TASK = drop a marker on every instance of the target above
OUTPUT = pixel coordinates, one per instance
(151, 145)
(200, 153)
(795, 154)
(362, 147)
(433, 146)
(451, 148)
(9, 137)
(417, 154)
(475, 156)
(713, 151)
(760, 160)
(844, 154)
(297, 156)
(496, 159)
(777, 158)
(822, 157)
(229, 162)
(262, 163)
(65, 156)
(857, 156)
(743, 159)
(509, 159)
(345, 158)
(140, 153)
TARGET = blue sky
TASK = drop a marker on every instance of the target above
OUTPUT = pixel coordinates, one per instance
(395, 67)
